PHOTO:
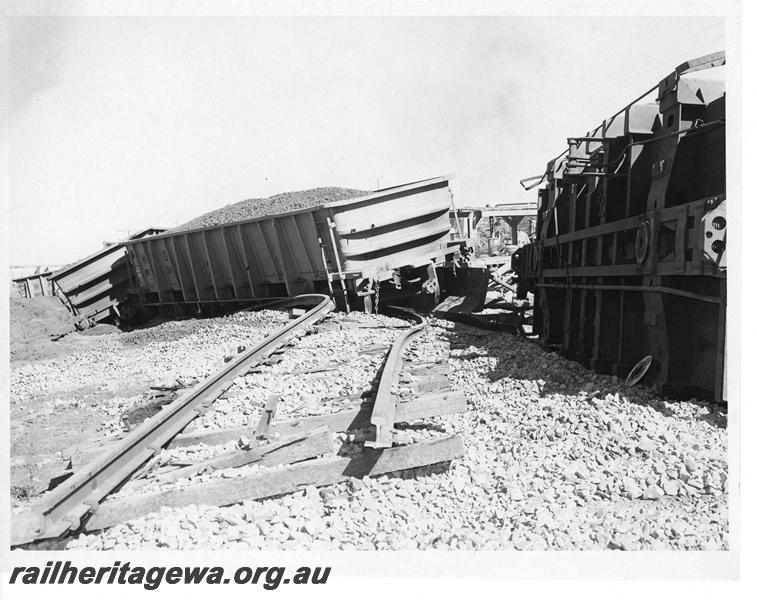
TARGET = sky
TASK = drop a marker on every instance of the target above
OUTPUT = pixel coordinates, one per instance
(121, 123)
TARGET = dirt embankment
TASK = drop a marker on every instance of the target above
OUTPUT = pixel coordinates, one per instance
(34, 323)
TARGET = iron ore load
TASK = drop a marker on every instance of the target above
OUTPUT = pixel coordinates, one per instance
(628, 267)
(385, 244)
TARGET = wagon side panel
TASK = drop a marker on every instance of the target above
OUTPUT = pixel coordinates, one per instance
(409, 227)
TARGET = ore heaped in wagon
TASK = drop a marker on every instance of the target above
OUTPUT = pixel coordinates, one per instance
(400, 368)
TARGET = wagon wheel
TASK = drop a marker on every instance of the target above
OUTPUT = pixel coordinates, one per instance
(126, 312)
(83, 324)
(642, 242)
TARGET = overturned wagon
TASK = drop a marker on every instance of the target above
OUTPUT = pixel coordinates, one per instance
(94, 288)
(629, 265)
(387, 242)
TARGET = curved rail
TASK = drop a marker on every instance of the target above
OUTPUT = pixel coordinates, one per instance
(385, 404)
(63, 509)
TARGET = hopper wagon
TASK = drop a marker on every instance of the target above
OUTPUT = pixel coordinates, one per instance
(628, 268)
(385, 245)
(31, 286)
(94, 287)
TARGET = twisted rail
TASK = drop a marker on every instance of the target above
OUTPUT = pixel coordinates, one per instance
(385, 404)
(63, 509)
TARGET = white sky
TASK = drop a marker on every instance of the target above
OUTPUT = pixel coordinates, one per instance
(122, 123)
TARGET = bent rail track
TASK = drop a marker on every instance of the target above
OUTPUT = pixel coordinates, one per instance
(385, 405)
(82, 502)
(63, 509)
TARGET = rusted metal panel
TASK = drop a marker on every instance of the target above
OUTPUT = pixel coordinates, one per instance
(94, 286)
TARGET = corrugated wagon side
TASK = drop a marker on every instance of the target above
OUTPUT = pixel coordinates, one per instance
(344, 248)
(31, 286)
(94, 287)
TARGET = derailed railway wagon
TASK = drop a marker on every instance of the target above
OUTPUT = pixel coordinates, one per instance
(31, 286)
(386, 244)
(629, 260)
(94, 287)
